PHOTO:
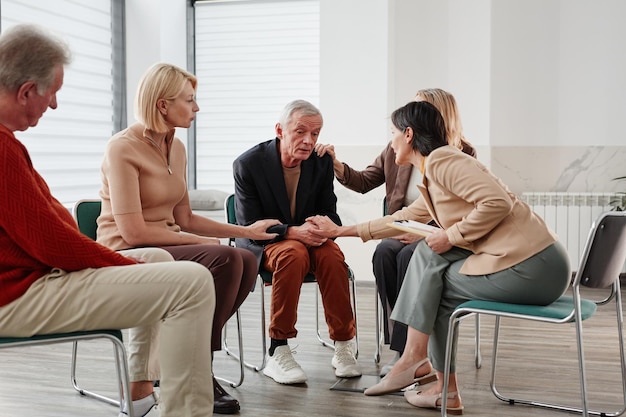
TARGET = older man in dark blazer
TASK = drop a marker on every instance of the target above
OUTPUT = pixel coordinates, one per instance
(282, 179)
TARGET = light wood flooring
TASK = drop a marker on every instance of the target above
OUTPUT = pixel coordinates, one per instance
(538, 361)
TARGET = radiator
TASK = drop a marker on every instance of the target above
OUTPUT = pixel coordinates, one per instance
(570, 216)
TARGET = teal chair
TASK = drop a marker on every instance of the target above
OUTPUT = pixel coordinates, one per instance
(86, 213)
(113, 336)
(601, 263)
(266, 280)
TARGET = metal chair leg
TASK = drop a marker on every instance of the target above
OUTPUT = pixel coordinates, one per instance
(317, 321)
(260, 367)
(121, 368)
(238, 357)
(356, 321)
(478, 359)
(378, 317)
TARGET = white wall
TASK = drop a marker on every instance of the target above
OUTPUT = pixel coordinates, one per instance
(156, 32)
(559, 74)
(539, 84)
(354, 71)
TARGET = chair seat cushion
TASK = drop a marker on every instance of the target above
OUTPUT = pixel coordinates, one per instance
(266, 276)
(55, 336)
(559, 309)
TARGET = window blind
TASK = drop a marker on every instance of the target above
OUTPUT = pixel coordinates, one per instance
(251, 58)
(68, 143)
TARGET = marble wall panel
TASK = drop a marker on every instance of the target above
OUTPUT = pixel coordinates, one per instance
(552, 168)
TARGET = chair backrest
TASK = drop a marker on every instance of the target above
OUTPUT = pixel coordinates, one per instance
(86, 213)
(229, 212)
(229, 209)
(605, 251)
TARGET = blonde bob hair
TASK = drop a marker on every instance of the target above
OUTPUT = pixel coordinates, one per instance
(160, 81)
(446, 104)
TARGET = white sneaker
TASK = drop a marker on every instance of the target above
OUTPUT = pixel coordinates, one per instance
(153, 411)
(344, 360)
(283, 368)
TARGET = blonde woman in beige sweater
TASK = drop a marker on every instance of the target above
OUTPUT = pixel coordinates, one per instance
(145, 200)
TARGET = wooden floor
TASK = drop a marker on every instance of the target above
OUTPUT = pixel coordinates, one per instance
(537, 361)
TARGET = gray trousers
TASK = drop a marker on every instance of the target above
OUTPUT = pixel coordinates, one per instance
(433, 287)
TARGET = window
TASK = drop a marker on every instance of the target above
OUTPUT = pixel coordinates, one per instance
(251, 58)
(67, 145)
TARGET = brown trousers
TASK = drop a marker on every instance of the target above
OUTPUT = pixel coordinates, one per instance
(290, 261)
(234, 271)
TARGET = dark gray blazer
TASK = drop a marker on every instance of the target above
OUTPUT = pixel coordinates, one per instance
(260, 192)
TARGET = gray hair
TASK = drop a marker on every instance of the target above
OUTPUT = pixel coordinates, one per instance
(28, 53)
(302, 106)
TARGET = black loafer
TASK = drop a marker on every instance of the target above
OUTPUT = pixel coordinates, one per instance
(223, 402)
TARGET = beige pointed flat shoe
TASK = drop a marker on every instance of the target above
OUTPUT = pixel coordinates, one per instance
(418, 399)
(402, 380)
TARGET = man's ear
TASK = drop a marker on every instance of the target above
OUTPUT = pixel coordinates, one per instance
(279, 131)
(26, 89)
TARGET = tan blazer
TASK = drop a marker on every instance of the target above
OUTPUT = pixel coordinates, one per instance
(477, 211)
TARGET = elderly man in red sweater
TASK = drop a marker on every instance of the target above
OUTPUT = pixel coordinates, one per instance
(54, 279)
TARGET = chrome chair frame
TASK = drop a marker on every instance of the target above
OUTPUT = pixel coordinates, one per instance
(88, 227)
(87, 224)
(600, 266)
(121, 367)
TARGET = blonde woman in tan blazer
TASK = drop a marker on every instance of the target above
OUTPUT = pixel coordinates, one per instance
(491, 246)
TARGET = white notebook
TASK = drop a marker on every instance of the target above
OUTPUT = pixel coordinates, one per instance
(411, 226)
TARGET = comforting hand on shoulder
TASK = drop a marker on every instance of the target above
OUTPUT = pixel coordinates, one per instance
(322, 149)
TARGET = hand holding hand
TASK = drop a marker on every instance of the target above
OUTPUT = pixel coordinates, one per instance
(307, 234)
(324, 226)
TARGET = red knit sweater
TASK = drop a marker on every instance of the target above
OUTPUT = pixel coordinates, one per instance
(37, 233)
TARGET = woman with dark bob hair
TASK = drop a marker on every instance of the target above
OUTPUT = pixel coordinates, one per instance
(490, 246)
(392, 255)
